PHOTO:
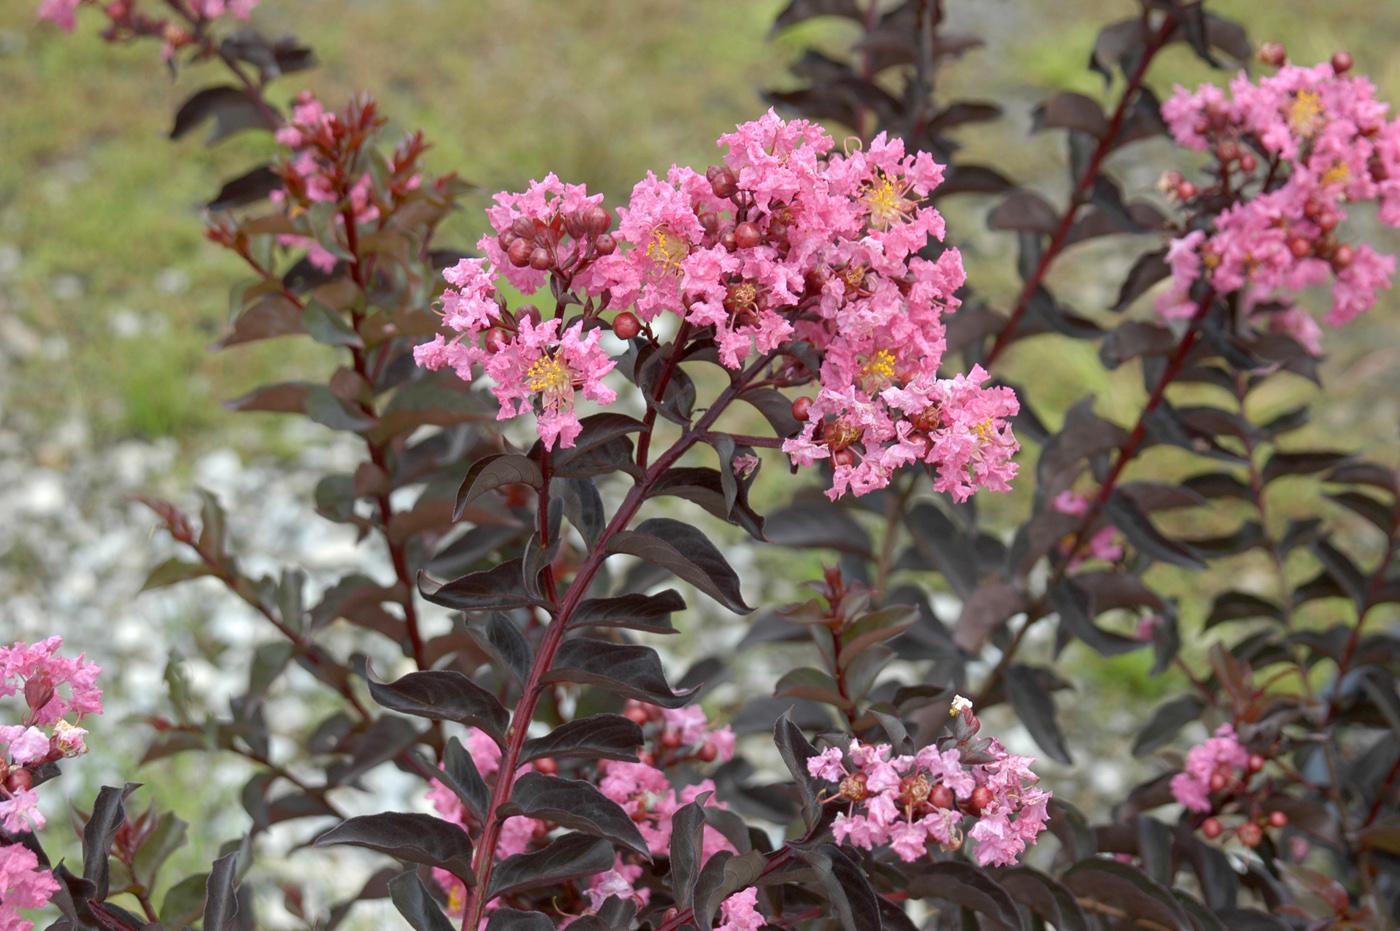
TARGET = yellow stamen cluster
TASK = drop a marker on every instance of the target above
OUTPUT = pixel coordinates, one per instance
(1306, 113)
(667, 250)
(1337, 174)
(887, 202)
(550, 376)
(743, 296)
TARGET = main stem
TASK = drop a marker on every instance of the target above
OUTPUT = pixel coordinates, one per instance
(554, 636)
(1080, 195)
(1126, 452)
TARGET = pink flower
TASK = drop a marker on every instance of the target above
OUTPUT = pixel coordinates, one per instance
(23, 885)
(1220, 755)
(740, 912)
(28, 746)
(20, 814)
(60, 12)
(540, 368)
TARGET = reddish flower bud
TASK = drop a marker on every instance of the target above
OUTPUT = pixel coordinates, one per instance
(1186, 190)
(941, 797)
(19, 780)
(604, 244)
(1250, 834)
(1273, 54)
(1300, 247)
(1212, 828)
(1227, 151)
(708, 753)
(626, 325)
(722, 180)
(1218, 781)
(540, 259)
(1342, 256)
(636, 714)
(843, 457)
(1248, 163)
(1277, 819)
(547, 766)
(1255, 762)
(709, 221)
(727, 240)
(496, 340)
(519, 252)
(597, 220)
(523, 227)
(981, 798)
(801, 408)
(746, 236)
(1342, 62)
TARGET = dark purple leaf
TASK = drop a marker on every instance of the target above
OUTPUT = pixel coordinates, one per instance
(1024, 210)
(1068, 110)
(495, 472)
(231, 108)
(1126, 889)
(220, 895)
(248, 188)
(409, 836)
(687, 553)
(567, 858)
(444, 695)
(496, 589)
(598, 736)
(577, 805)
(1035, 707)
(625, 669)
(411, 898)
(965, 885)
(650, 613)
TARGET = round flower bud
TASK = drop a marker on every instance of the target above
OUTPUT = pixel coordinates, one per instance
(722, 180)
(1218, 781)
(1273, 54)
(540, 259)
(801, 408)
(843, 457)
(941, 797)
(636, 714)
(1342, 62)
(1250, 834)
(670, 740)
(1212, 828)
(1248, 162)
(597, 220)
(626, 325)
(496, 340)
(547, 766)
(1343, 256)
(727, 240)
(746, 236)
(519, 252)
(708, 753)
(1277, 819)
(19, 780)
(1255, 763)
(1186, 190)
(1300, 247)
(604, 244)
(523, 227)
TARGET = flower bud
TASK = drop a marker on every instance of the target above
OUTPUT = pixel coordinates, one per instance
(604, 244)
(1342, 62)
(636, 714)
(1343, 256)
(708, 753)
(1273, 54)
(1250, 834)
(597, 220)
(747, 235)
(981, 798)
(1278, 819)
(540, 259)
(1212, 828)
(1255, 763)
(496, 340)
(1218, 781)
(801, 408)
(523, 227)
(941, 797)
(519, 252)
(626, 325)
(844, 457)
(1300, 247)
(722, 180)
(19, 780)
(547, 766)
(728, 240)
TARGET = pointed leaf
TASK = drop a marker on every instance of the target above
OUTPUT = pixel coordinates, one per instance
(444, 695)
(410, 836)
(574, 804)
(687, 553)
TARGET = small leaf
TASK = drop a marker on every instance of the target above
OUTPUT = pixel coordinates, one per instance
(1068, 110)
(231, 108)
(1166, 722)
(598, 736)
(1124, 888)
(650, 613)
(495, 472)
(1146, 538)
(567, 858)
(687, 840)
(965, 885)
(847, 889)
(1024, 210)
(269, 317)
(108, 814)
(1150, 268)
(444, 695)
(509, 644)
(813, 521)
(411, 898)
(1036, 709)
(625, 669)
(686, 552)
(247, 188)
(1043, 896)
(574, 804)
(327, 326)
(410, 836)
(459, 773)
(495, 589)
(795, 749)
(220, 898)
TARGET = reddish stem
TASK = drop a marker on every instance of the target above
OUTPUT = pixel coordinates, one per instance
(535, 686)
(1080, 195)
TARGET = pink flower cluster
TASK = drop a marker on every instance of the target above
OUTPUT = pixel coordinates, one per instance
(906, 801)
(1105, 544)
(785, 244)
(1210, 767)
(642, 789)
(53, 687)
(324, 168)
(127, 19)
(1295, 150)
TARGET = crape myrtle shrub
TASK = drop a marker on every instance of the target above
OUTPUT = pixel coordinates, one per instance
(522, 402)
